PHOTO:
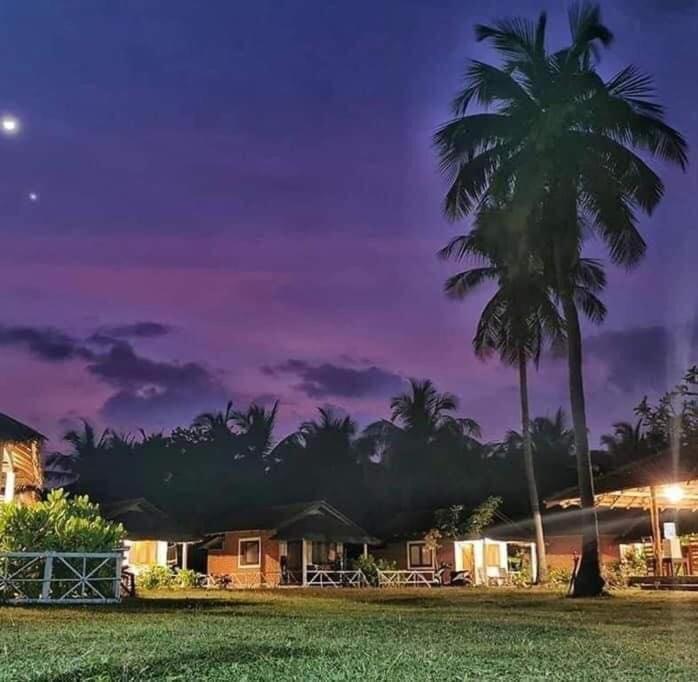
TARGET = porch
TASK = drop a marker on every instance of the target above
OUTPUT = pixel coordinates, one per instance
(21, 471)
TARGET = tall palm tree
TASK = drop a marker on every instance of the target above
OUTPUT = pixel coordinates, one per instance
(519, 319)
(562, 136)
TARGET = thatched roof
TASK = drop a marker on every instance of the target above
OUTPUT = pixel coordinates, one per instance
(14, 431)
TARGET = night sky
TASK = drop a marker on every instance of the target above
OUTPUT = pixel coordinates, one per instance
(240, 200)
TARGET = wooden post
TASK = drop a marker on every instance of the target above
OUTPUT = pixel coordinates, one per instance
(304, 563)
(48, 573)
(656, 531)
(365, 551)
(185, 555)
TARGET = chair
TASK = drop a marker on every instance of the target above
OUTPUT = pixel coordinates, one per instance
(692, 556)
(650, 558)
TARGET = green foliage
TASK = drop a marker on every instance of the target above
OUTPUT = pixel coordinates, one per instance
(370, 567)
(60, 523)
(451, 522)
(559, 576)
(155, 578)
(186, 578)
(159, 577)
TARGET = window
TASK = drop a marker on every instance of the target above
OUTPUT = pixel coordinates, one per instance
(419, 555)
(324, 553)
(250, 552)
(143, 553)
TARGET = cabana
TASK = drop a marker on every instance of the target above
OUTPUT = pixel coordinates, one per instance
(21, 468)
(656, 484)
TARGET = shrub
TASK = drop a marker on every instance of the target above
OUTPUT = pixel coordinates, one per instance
(186, 578)
(559, 576)
(60, 523)
(370, 567)
(156, 578)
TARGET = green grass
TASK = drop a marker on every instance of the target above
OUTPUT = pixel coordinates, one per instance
(446, 634)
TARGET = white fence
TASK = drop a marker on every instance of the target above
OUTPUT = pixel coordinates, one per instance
(321, 578)
(406, 578)
(60, 577)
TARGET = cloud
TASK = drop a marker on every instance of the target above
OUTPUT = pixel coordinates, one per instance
(644, 357)
(321, 381)
(154, 388)
(45, 343)
(147, 391)
(136, 330)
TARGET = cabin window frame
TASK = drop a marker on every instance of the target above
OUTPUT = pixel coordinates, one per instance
(241, 555)
(414, 567)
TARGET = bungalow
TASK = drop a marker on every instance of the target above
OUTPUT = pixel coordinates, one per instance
(152, 537)
(21, 467)
(308, 543)
(489, 558)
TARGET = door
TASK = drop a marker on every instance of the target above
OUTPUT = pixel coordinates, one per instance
(468, 558)
(295, 561)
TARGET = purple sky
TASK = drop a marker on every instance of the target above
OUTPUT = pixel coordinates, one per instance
(255, 181)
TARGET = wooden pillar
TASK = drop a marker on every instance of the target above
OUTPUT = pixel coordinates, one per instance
(365, 551)
(185, 555)
(304, 562)
(656, 531)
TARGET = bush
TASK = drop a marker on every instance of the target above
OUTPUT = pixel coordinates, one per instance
(370, 567)
(60, 523)
(186, 578)
(156, 578)
(559, 576)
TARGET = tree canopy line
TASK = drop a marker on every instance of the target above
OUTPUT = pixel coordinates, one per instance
(423, 457)
(541, 153)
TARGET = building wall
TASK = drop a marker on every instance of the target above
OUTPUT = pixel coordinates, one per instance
(226, 561)
(396, 553)
(560, 549)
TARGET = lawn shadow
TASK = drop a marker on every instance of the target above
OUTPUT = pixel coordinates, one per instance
(181, 662)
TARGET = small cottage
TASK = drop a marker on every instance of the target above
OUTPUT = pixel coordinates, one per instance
(290, 544)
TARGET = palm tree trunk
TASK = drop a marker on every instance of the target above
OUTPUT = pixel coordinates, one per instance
(588, 581)
(542, 563)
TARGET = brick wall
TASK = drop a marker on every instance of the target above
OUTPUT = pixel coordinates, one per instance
(226, 561)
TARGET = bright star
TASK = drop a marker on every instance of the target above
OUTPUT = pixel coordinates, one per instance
(9, 124)
(33, 196)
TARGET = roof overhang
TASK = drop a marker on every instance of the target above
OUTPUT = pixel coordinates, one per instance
(678, 495)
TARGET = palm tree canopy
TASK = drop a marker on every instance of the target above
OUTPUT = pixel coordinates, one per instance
(550, 123)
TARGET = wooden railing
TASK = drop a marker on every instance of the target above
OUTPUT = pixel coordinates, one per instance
(406, 578)
(60, 577)
(321, 578)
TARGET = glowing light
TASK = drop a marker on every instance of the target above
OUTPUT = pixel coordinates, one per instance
(674, 493)
(33, 196)
(9, 124)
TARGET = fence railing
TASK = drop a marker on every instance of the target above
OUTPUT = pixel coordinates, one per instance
(406, 578)
(60, 577)
(321, 578)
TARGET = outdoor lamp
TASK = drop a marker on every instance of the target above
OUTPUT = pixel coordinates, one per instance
(674, 493)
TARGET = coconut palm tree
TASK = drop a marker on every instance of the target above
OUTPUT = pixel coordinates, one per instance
(559, 135)
(255, 428)
(519, 319)
(216, 426)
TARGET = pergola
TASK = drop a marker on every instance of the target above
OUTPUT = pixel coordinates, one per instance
(20, 459)
(657, 483)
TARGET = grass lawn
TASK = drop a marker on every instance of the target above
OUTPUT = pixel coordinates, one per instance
(446, 634)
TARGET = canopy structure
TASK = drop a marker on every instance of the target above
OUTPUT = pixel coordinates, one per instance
(21, 467)
(657, 483)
